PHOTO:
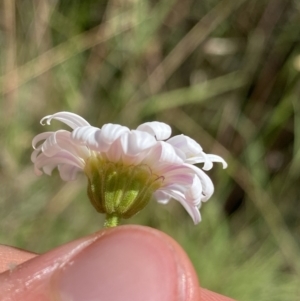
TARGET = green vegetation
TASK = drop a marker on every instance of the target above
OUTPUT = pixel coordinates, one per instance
(225, 72)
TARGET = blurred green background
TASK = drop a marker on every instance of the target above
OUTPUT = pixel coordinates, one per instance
(225, 72)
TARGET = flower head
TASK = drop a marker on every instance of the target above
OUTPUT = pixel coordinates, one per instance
(125, 168)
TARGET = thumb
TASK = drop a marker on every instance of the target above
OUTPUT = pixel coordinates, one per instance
(124, 263)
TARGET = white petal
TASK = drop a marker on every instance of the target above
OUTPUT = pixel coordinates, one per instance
(186, 144)
(134, 160)
(160, 130)
(207, 185)
(35, 154)
(192, 210)
(194, 193)
(215, 158)
(50, 147)
(62, 157)
(187, 192)
(114, 153)
(201, 158)
(165, 169)
(136, 142)
(68, 172)
(47, 169)
(178, 175)
(61, 140)
(109, 134)
(161, 197)
(40, 137)
(178, 178)
(64, 141)
(71, 119)
(194, 153)
(162, 152)
(85, 135)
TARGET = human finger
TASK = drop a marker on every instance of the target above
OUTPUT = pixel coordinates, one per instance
(124, 263)
(10, 257)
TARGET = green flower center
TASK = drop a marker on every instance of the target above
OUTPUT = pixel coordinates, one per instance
(118, 190)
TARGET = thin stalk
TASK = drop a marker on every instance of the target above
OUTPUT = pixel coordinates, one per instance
(111, 220)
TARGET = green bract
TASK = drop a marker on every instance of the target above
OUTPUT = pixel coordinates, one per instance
(117, 190)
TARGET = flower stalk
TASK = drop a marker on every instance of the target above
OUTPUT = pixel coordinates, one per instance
(111, 220)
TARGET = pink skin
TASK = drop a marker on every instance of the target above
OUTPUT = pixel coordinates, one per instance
(124, 263)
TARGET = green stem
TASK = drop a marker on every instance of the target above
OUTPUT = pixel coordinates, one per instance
(111, 220)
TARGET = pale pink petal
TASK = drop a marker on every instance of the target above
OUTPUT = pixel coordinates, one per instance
(109, 134)
(182, 179)
(194, 153)
(179, 175)
(200, 158)
(114, 153)
(163, 169)
(86, 135)
(160, 130)
(164, 153)
(161, 197)
(194, 192)
(64, 141)
(135, 141)
(70, 119)
(81, 135)
(47, 169)
(35, 154)
(187, 192)
(50, 147)
(68, 172)
(207, 159)
(192, 210)
(134, 160)
(61, 140)
(38, 138)
(207, 185)
(186, 144)
(60, 158)
(215, 158)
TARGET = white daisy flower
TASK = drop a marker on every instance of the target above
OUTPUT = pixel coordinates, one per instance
(124, 167)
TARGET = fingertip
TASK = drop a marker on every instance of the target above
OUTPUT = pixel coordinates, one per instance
(10, 257)
(207, 295)
(139, 263)
(122, 263)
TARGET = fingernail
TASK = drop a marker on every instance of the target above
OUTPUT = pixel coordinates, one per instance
(122, 265)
